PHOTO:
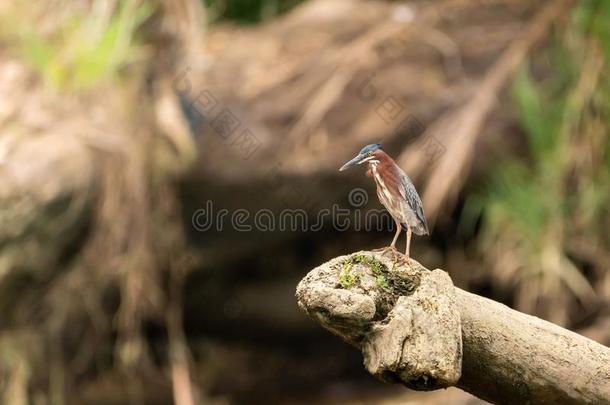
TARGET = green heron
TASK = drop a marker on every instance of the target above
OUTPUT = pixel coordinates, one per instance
(395, 191)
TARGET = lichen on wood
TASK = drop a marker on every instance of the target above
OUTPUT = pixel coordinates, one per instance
(406, 325)
(420, 330)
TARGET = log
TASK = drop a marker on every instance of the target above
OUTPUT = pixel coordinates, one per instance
(414, 327)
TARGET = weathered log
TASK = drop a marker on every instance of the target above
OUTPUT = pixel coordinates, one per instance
(413, 326)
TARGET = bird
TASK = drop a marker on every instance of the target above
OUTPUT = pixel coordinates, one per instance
(395, 191)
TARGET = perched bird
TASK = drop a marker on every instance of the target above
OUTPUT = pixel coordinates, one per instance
(395, 191)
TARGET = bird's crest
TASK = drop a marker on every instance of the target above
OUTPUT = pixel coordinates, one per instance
(370, 148)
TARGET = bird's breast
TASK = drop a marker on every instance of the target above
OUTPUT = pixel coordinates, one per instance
(393, 203)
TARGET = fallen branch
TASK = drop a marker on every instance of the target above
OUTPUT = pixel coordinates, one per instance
(413, 326)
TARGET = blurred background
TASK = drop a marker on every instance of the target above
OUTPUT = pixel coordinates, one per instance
(127, 127)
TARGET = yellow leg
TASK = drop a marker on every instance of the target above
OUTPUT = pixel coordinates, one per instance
(398, 229)
(407, 250)
(392, 246)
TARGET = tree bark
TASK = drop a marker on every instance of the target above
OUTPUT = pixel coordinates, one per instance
(413, 326)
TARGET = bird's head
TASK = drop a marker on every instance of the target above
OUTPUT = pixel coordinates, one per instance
(367, 154)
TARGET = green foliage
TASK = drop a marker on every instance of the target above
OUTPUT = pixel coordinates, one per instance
(82, 49)
(533, 206)
(593, 17)
(248, 11)
(385, 278)
(382, 282)
(346, 278)
(378, 269)
(375, 265)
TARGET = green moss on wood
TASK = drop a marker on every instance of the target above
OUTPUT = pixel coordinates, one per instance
(346, 278)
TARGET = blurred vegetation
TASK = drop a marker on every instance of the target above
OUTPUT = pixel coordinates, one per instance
(75, 50)
(545, 214)
(544, 228)
(248, 11)
(87, 50)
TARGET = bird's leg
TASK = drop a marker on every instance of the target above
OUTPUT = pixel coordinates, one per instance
(398, 229)
(408, 248)
(393, 244)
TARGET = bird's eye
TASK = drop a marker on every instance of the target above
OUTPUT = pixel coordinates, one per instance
(370, 153)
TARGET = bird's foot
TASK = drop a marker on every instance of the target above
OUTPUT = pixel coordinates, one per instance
(384, 250)
(405, 258)
(396, 255)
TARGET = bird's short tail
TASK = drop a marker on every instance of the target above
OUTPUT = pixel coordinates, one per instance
(420, 229)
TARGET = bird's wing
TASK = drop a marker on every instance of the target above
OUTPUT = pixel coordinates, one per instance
(409, 193)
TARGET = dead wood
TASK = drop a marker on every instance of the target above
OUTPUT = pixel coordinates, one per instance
(414, 327)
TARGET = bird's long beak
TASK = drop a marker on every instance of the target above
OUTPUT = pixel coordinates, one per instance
(355, 161)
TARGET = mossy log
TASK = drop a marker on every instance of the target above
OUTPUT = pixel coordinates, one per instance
(413, 326)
